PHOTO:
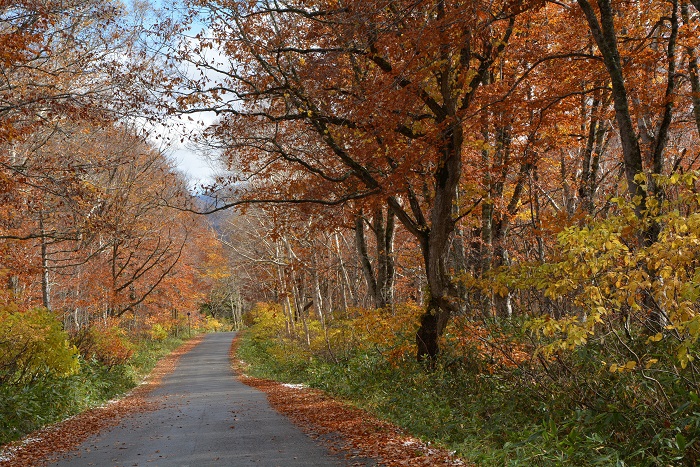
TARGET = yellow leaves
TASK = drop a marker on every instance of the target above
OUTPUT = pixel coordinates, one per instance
(33, 343)
(641, 177)
(665, 272)
(655, 338)
(480, 145)
(571, 332)
(387, 328)
(629, 366)
(683, 355)
(609, 283)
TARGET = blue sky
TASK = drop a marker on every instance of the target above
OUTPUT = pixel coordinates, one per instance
(198, 168)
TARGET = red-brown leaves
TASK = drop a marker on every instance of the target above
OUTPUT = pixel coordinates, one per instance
(356, 433)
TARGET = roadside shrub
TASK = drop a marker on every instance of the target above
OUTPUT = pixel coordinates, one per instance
(36, 364)
(268, 321)
(106, 344)
(624, 349)
(29, 406)
(211, 325)
(33, 347)
(158, 332)
(390, 331)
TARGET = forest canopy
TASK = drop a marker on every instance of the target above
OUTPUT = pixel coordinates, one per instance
(500, 189)
(513, 181)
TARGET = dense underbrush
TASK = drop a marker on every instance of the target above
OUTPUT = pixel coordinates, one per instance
(494, 407)
(597, 365)
(47, 375)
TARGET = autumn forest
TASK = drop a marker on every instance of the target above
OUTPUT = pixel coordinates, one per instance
(479, 220)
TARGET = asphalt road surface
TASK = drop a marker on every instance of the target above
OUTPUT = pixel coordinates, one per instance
(209, 418)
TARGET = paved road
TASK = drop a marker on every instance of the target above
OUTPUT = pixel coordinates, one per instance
(209, 419)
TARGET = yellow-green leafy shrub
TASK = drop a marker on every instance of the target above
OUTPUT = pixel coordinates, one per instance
(615, 284)
(33, 345)
(158, 332)
(211, 324)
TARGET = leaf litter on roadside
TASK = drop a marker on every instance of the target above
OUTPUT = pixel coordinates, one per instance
(50, 442)
(346, 429)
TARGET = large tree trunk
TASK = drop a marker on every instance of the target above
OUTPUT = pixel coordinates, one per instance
(441, 303)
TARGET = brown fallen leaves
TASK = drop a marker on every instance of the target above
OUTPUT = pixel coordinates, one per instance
(344, 428)
(44, 445)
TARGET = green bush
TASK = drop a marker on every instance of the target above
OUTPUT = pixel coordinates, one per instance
(34, 403)
(29, 407)
(33, 347)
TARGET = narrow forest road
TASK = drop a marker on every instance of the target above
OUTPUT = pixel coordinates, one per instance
(208, 418)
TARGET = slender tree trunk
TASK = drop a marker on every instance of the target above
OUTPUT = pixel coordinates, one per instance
(297, 293)
(284, 287)
(384, 233)
(591, 156)
(45, 284)
(367, 270)
(380, 279)
(317, 292)
(345, 279)
(486, 244)
(320, 308)
(693, 74)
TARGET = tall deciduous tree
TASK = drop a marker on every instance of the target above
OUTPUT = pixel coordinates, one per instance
(348, 101)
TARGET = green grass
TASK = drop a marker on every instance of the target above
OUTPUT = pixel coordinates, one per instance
(24, 409)
(496, 419)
